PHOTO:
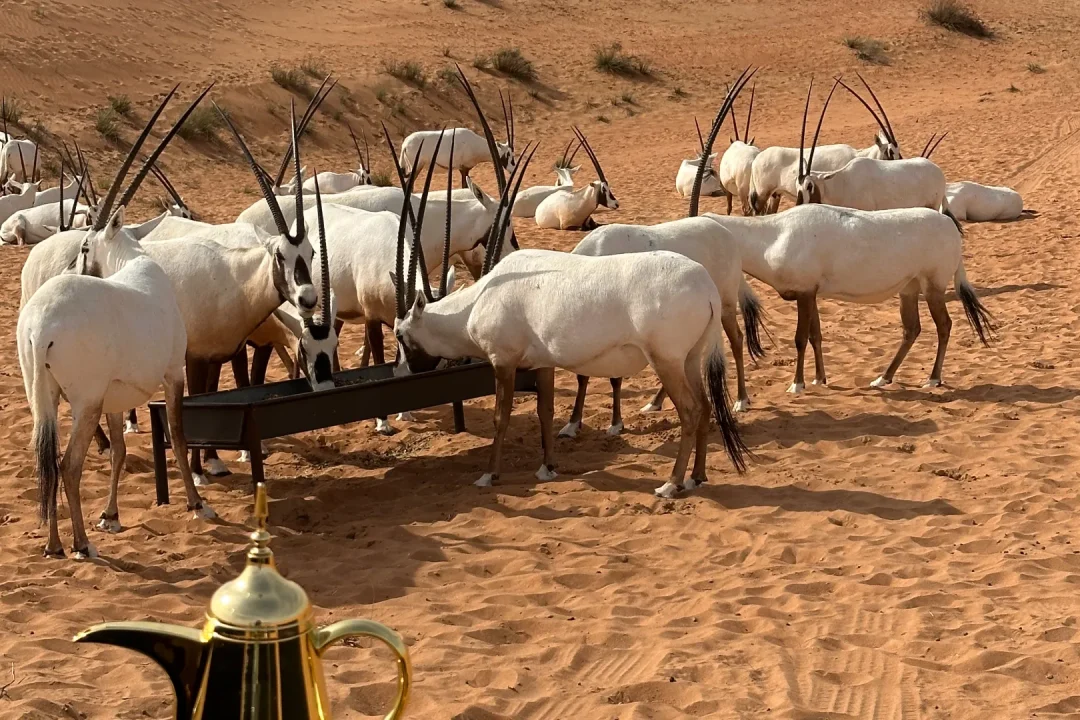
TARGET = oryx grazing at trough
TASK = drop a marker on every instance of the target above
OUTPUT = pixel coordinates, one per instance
(569, 209)
(736, 165)
(529, 198)
(973, 202)
(608, 316)
(105, 338)
(333, 182)
(470, 149)
(710, 182)
(867, 183)
(865, 257)
(775, 170)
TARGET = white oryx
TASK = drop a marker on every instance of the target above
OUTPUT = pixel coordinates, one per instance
(106, 339)
(607, 316)
(737, 163)
(568, 209)
(332, 182)
(15, 154)
(775, 171)
(529, 198)
(871, 184)
(713, 247)
(52, 195)
(17, 202)
(710, 182)
(470, 149)
(973, 202)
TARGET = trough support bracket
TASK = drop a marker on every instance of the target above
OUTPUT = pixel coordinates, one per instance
(161, 469)
(459, 417)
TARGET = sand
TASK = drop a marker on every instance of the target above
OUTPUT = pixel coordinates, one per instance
(905, 553)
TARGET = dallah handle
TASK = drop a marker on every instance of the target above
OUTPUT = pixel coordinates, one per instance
(327, 636)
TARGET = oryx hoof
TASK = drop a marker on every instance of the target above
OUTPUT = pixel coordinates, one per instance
(109, 524)
(615, 429)
(693, 484)
(199, 479)
(880, 382)
(131, 428)
(202, 511)
(796, 388)
(668, 490)
(570, 430)
(245, 455)
(216, 468)
(741, 405)
(932, 383)
(54, 553)
(822, 382)
(383, 427)
(486, 480)
(546, 473)
(85, 553)
(653, 407)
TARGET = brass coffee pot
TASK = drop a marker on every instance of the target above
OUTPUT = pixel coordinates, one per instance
(259, 656)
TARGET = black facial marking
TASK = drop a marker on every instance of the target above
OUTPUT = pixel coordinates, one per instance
(301, 274)
(322, 369)
(319, 332)
(415, 359)
(279, 277)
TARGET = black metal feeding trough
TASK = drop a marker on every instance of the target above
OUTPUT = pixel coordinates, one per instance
(241, 419)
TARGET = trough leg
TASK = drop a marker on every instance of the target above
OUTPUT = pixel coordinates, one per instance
(161, 472)
(214, 466)
(240, 369)
(459, 416)
(373, 342)
(254, 444)
(196, 371)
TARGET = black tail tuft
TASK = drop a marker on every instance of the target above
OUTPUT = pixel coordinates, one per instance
(46, 447)
(753, 325)
(980, 318)
(753, 201)
(959, 228)
(729, 428)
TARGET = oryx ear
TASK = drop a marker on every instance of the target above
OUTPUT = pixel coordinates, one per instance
(451, 278)
(478, 193)
(419, 304)
(574, 169)
(116, 224)
(393, 278)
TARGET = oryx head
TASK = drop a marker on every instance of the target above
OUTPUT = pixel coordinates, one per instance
(176, 208)
(291, 250)
(604, 196)
(564, 167)
(363, 173)
(319, 340)
(886, 146)
(808, 191)
(107, 244)
(418, 348)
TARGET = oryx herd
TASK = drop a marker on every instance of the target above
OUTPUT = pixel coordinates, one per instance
(112, 312)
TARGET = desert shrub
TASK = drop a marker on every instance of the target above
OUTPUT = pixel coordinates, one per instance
(955, 16)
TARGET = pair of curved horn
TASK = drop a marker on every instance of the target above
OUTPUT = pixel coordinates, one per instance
(885, 125)
(365, 165)
(160, 176)
(564, 161)
(316, 100)
(749, 114)
(74, 202)
(807, 163)
(324, 312)
(508, 119)
(493, 247)
(500, 172)
(264, 181)
(718, 121)
(89, 191)
(104, 211)
(592, 156)
(928, 150)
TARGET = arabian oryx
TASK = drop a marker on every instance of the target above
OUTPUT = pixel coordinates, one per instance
(16, 155)
(608, 316)
(864, 257)
(568, 209)
(737, 163)
(333, 182)
(529, 198)
(710, 183)
(871, 184)
(104, 338)
(470, 149)
(973, 202)
(775, 170)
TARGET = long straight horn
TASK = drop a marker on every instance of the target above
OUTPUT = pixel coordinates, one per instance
(735, 122)
(700, 139)
(563, 162)
(592, 156)
(34, 170)
(507, 215)
(500, 171)
(506, 119)
(802, 133)
(927, 146)
(152, 159)
(301, 226)
(892, 135)
(931, 152)
(22, 163)
(445, 277)
(356, 145)
(873, 113)
(817, 133)
(400, 173)
(61, 213)
(84, 168)
(105, 209)
(167, 184)
(309, 112)
(262, 179)
(718, 121)
(749, 113)
(399, 266)
(418, 259)
(74, 201)
(324, 296)
(495, 234)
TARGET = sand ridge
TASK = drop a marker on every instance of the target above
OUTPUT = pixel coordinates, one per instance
(904, 553)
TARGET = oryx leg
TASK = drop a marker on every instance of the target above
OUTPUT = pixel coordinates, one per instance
(574, 426)
(214, 466)
(815, 342)
(373, 342)
(802, 334)
(545, 410)
(464, 176)
(110, 517)
(504, 404)
(131, 423)
(692, 367)
(909, 316)
(260, 360)
(657, 403)
(102, 440)
(729, 318)
(616, 407)
(174, 396)
(335, 362)
(197, 371)
(71, 467)
(673, 375)
(774, 204)
(729, 199)
(241, 377)
(935, 300)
